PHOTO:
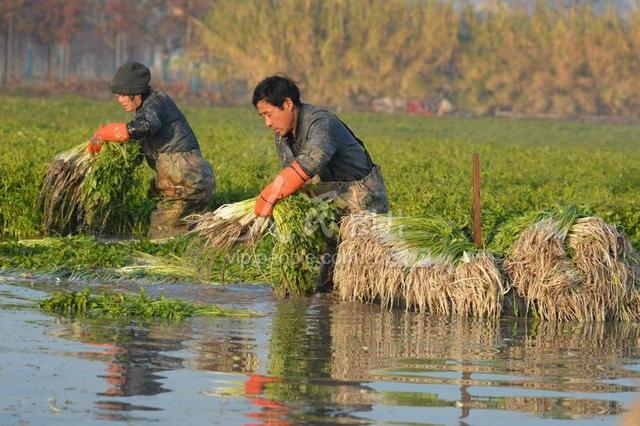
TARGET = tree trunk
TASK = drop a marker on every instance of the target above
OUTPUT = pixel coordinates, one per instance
(3, 71)
(190, 75)
(67, 66)
(8, 53)
(60, 62)
(116, 55)
(165, 64)
(28, 69)
(66, 59)
(120, 49)
(123, 49)
(47, 75)
(18, 61)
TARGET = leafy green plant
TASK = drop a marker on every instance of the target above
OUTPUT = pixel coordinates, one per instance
(527, 166)
(125, 305)
(109, 201)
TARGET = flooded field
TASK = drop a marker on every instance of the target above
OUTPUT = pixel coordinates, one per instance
(311, 360)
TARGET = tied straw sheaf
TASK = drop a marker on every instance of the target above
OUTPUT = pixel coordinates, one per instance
(95, 193)
(300, 229)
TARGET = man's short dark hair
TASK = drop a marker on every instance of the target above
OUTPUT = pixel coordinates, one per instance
(274, 89)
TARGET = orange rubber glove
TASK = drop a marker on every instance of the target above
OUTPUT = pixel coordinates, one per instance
(288, 181)
(94, 145)
(114, 132)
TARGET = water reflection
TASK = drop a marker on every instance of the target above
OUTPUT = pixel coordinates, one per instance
(300, 358)
(318, 361)
(340, 361)
(225, 353)
(132, 355)
(558, 370)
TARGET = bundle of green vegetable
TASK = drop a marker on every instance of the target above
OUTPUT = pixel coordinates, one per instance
(360, 258)
(568, 267)
(228, 226)
(539, 265)
(424, 263)
(424, 250)
(610, 271)
(59, 198)
(94, 193)
(559, 218)
(302, 227)
(422, 240)
(125, 305)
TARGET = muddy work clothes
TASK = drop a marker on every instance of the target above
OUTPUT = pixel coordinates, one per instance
(327, 149)
(185, 185)
(184, 180)
(161, 127)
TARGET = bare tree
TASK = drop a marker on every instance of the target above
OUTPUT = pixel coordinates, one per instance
(9, 14)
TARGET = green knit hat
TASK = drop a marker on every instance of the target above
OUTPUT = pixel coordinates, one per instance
(131, 78)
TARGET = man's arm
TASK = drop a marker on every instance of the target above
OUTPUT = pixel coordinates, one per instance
(288, 181)
(147, 125)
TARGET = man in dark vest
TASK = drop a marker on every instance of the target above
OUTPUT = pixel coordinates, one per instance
(184, 180)
(313, 143)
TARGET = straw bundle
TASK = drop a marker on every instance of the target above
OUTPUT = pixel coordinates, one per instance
(427, 289)
(362, 260)
(560, 267)
(472, 287)
(538, 264)
(443, 272)
(387, 285)
(478, 288)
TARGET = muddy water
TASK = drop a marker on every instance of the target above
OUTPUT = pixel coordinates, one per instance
(307, 361)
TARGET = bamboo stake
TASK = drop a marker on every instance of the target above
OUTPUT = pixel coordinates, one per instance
(477, 225)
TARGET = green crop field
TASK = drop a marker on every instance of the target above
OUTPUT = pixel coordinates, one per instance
(426, 161)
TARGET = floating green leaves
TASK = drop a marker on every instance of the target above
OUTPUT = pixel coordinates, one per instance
(126, 305)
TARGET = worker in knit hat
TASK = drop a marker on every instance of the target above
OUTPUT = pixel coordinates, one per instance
(184, 181)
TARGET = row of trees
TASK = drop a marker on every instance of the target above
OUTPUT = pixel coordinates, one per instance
(84, 39)
(543, 59)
